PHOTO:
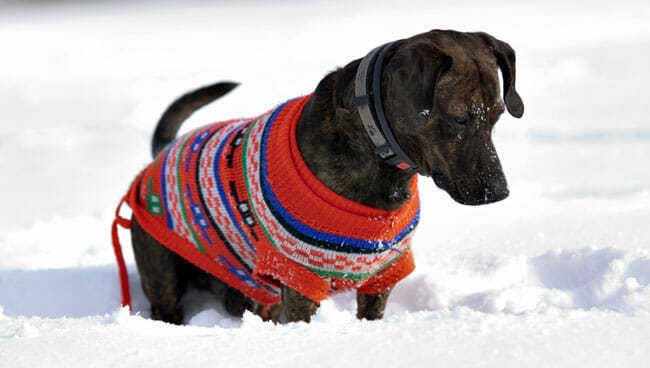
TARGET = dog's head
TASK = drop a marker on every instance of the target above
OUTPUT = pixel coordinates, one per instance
(442, 99)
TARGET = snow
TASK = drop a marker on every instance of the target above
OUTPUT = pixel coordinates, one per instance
(555, 275)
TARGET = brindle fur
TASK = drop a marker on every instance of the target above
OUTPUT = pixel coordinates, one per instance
(428, 81)
(371, 306)
(441, 98)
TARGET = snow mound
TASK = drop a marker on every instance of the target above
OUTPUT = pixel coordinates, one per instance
(595, 278)
(212, 318)
(605, 278)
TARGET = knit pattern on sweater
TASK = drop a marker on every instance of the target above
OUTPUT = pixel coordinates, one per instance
(236, 199)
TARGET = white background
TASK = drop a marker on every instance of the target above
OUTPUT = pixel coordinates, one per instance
(556, 275)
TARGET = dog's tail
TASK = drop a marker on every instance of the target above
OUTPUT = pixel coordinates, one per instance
(181, 109)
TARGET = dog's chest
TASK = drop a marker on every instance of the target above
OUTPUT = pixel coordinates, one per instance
(238, 193)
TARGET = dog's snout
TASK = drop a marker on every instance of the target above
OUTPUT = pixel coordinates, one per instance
(495, 188)
(493, 194)
(477, 190)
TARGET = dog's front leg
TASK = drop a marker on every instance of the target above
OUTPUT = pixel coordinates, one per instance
(297, 307)
(371, 306)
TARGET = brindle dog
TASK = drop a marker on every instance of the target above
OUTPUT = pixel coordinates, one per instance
(441, 98)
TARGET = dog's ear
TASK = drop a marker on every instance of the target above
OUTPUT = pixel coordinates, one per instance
(411, 73)
(344, 87)
(506, 61)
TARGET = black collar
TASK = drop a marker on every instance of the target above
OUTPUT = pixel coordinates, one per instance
(371, 110)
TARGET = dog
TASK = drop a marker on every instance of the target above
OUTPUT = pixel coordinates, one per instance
(341, 215)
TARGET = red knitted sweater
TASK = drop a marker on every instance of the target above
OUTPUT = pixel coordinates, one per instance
(237, 200)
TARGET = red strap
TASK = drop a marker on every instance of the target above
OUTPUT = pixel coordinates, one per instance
(124, 277)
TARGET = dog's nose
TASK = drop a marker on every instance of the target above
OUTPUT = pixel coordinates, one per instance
(494, 193)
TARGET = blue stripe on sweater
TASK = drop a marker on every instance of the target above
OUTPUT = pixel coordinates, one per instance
(168, 215)
(222, 193)
(305, 229)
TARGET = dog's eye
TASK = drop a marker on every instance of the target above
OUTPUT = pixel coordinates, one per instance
(461, 121)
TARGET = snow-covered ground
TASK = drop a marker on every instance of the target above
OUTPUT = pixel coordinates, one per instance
(557, 275)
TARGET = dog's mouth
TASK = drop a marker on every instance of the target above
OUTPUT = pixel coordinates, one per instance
(486, 194)
(440, 181)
